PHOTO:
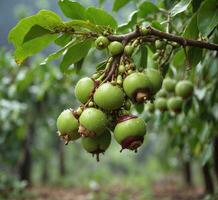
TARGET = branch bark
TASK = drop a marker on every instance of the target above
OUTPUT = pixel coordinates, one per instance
(162, 35)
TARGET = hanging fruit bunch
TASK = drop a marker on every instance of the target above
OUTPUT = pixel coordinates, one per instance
(107, 98)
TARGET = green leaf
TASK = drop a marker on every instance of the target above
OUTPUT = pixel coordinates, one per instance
(191, 30)
(130, 24)
(196, 4)
(35, 31)
(72, 9)
(63, 39)
(78, 65)
(47, 20)
(101, 65)
(140, 57)
(75, 54)
(194, 55)
(147, 8)
(157, 25)
(180, 7)
(207, 17)
(118, 4)
(100, 17)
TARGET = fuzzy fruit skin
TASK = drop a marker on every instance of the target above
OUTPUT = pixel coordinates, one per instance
(136, 81)
(133, 127)
(162, 93)
(94, 120)
(184, 89)
(67, 124)
(109, 97)
(169, 84)
(156, 79)
(83, 89)
(161, 104)
(115, 48)
(97, 144)
(101, 42)
(175, 104)
(128, 50)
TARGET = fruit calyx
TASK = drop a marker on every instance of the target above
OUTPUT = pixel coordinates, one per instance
(132, 143)
(141, 95)
(97, 153)
(125, 118)
(85, 132)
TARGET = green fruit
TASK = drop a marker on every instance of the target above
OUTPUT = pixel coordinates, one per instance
(109, 97)
(175, 104)
(137, 86)
(84, 89)
(101, 42)
(162, 93)
(169, 84)
(150, 107)
(130, 131)
(115, 48)
(68, 125)
(128, 50)
(121, 69)
(184, 89)
(160, 44)
(144, 31)
(93, 122)
(156, 56)
(155, 78)
(98, 144)
(161, 104)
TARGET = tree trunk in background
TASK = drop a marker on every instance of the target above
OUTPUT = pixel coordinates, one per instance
(188, 173)
(45, 175)
(62, 169)
(215, 155)
(26, 163)
(208, 180)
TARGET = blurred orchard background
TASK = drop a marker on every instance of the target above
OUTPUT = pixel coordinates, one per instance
(177, 161)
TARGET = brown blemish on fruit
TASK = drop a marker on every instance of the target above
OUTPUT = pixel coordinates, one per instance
(132, 142)
(125, 118)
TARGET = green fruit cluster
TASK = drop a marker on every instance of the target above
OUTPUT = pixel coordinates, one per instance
(107, 97)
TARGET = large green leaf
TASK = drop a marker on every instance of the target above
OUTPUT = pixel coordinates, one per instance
(25, 47)
(147, 8)
(100, 17)
(207, 17)
(180, 7)
(72, 9)
(63, 39)
(191, 30)
(119, 4)
(194, 55)
(75, 54)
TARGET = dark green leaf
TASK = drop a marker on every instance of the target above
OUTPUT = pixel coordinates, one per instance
(147, 8)
(207, 17)
(196, 4)
(191, 30)
(180, 7)
(63, 39)
(157, 25)
(194, 55)
(119, 4)
(34, 32)
(47, 20)
(100, 17)
(75, 54)
(144, 56)
(187, 106)
(139, 107)
(72, 9)
(78, 65)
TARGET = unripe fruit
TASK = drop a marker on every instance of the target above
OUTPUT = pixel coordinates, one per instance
(175, 104)
(121, 69)
(84, 89)
(137, 86)
(93, 122)
(150, 107)
(162, 93)
(161, 104)
(155, 78)
(144, 31)
(98, 144)
(109, 97)
(169, 84)
(129, 132)
(68, 126)
(160, 44)
(156, 56)
(115, 48)
(101, 42)
(184, 89)
(128, 50)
